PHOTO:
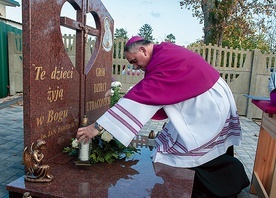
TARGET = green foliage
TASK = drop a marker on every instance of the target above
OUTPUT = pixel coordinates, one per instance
(146, 32)
(103, 151)
(250, 42)
(170, 38)
(116, 96)
(72, 150)
(247, 18)
(243, 36)
(120, 33)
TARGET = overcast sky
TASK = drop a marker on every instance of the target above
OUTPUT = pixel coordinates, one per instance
(164, 16)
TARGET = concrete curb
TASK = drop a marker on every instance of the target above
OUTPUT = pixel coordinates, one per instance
(11, 102)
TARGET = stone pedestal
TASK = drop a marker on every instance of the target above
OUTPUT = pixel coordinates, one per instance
(136, 177)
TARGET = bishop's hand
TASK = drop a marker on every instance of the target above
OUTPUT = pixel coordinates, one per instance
(86, 133)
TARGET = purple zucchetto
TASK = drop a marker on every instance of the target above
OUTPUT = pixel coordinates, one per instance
(134, 39)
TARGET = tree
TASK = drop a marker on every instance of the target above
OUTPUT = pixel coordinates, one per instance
(271, 35)
(170, 38)
(218, 14)
(120, 33)
(244, 38)
(146, 32)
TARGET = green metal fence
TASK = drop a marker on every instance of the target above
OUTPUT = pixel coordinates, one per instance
(4, 62)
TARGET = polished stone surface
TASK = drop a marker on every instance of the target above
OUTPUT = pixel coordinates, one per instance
(135, 177)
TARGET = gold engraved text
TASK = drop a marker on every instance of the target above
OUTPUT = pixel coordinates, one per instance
(57, 130)
(100, 72)
(61, 74)
(57, 116)
(40, 75)
(54, 95)
(96, 104)
(99, 87)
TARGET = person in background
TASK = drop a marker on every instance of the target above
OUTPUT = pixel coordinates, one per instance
(203, 123)
(272, 81)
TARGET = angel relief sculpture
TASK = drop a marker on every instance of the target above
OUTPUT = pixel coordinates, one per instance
(32, 158)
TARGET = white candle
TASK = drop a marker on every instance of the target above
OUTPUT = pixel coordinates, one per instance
(84, 151)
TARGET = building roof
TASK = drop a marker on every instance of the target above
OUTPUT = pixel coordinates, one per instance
(9, 3)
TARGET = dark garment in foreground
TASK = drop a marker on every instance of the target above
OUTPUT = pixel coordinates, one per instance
(222, 177)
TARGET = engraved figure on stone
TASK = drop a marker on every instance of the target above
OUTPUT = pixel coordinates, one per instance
(32, 158)
(107, 38)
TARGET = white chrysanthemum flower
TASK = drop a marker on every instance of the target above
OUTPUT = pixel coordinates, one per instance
(106, 136)
(116, 84)
(75, 143)
(112, 92)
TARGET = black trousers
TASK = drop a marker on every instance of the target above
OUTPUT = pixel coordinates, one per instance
(223, 176)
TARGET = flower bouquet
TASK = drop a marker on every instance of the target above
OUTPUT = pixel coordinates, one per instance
(104, 148)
